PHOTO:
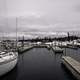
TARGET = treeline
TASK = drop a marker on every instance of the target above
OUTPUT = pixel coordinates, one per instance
(49, 39)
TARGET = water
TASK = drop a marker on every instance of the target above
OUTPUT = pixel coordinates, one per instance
(39, 64)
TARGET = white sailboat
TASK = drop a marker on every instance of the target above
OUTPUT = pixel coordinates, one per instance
(8, 58)
(57, 49)
(7, 61)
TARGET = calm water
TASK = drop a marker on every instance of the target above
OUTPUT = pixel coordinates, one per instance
(40, 64)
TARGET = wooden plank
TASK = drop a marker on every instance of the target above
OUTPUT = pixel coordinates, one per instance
(72, 65)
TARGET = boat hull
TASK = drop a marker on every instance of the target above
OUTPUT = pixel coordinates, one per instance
(57, 50)
(8, 66)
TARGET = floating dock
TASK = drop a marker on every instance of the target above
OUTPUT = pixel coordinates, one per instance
(24, 49)
(72, 47)
(72, 65)
(40, 46)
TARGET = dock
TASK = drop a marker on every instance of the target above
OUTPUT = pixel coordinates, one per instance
(72, 47)
(40, 46)
(72, 65)
(24, 49)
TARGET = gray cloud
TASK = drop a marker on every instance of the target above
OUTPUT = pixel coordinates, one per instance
(77, 8)
(40, 15)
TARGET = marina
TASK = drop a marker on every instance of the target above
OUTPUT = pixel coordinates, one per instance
(41, 63)
(39, 40)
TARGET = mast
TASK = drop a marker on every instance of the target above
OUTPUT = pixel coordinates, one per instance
(16, 32)
(68, 36)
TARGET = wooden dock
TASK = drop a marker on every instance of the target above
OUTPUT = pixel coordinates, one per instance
(40, 46)
(72, 65)
(72, 47)
(24, 49)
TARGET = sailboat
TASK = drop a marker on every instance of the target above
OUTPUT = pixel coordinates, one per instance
(8, 59)
(56, 49)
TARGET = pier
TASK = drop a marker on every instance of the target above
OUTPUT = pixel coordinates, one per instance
(24, 49)
(72, 65)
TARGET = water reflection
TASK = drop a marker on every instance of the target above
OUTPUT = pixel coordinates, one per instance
(12, 75)
(67, 72)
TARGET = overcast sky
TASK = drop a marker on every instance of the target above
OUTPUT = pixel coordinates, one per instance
(40, 15)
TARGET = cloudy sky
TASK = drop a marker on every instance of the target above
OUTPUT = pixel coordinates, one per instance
(40, 15)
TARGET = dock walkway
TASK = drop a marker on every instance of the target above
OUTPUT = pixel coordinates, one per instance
(24, 49)
(72, 65)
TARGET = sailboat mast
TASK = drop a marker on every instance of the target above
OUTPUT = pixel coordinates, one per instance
(16, 33)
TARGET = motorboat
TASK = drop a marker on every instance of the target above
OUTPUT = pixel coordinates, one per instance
(57, 49)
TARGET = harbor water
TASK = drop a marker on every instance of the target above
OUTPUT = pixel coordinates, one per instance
(41, 64)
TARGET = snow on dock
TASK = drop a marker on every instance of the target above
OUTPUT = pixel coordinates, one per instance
(72, 65)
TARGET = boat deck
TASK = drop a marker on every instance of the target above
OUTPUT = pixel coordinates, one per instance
(57, 50)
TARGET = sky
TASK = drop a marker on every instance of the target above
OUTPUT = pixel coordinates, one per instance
(40, 15)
